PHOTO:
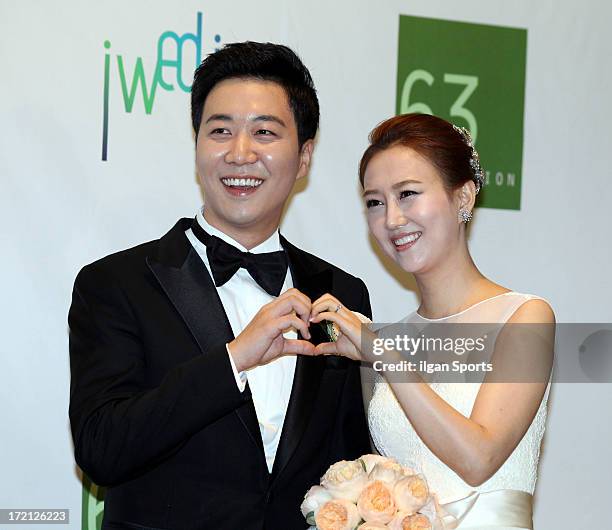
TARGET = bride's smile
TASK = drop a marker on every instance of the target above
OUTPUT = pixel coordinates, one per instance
(405, 241)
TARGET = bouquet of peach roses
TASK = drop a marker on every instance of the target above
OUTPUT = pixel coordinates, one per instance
(370, 493)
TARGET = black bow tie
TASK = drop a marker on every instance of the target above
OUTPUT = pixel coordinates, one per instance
(268, 269)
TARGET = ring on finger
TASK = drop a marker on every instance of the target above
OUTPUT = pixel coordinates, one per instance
(338, 307)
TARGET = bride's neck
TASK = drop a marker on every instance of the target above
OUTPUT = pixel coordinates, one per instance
(450, 288)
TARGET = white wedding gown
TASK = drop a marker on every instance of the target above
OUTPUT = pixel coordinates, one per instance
(509, 507)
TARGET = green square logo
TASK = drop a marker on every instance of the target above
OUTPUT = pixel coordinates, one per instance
(474, 76)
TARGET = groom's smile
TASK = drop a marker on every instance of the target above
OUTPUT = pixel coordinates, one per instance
(248, 156)
(239, 186)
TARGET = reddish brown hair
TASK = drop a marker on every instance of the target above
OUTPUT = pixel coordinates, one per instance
(432, 137)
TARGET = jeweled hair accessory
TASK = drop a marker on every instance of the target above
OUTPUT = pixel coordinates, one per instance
(475, 159)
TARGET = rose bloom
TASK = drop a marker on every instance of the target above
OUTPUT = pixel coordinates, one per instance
(418, 521)
(369, 461)
(434, 513)
(345, 480)
(411, 493)
(315, 497)
(388, 471)
(337, 514)
(376, 503)
(406, 521)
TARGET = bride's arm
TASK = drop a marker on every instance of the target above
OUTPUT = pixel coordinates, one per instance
(477, 446)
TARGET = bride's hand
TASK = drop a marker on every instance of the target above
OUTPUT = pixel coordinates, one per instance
(349, 324)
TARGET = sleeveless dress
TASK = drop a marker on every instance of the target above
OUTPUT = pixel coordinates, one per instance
(505, 500)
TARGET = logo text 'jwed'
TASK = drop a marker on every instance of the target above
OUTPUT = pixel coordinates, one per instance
(160, 77)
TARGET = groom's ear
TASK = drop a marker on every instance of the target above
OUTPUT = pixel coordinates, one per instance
(305, 158)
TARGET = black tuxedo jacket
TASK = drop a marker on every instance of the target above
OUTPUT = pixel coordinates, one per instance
(155, 411)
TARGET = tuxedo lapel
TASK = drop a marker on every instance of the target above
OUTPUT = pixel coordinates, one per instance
(313, 281)
(187, 283)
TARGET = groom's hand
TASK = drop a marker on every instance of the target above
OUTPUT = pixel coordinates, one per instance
(349, 343)
(262, 339)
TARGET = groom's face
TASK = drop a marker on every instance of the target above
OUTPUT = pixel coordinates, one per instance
(248, 157)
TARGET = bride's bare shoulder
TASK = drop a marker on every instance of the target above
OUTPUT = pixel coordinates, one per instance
(535, 310)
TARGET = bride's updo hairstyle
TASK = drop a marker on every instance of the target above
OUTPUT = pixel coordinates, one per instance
(443, 145)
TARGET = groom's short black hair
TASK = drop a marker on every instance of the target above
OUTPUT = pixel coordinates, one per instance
(267, 62)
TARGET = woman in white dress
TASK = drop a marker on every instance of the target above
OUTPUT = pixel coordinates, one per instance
(476, 443)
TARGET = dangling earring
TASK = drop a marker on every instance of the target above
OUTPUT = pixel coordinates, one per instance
(465, 216)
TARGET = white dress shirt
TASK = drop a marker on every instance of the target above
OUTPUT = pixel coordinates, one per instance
(242, 298)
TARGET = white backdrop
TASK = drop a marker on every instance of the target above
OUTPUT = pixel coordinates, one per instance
(62, 207)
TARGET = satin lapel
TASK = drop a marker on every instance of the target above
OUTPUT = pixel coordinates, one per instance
(187, 283)
(313, 282)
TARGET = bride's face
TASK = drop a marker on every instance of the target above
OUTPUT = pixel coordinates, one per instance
(409, 212)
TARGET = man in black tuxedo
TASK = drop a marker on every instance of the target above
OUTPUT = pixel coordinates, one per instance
(195, 397)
